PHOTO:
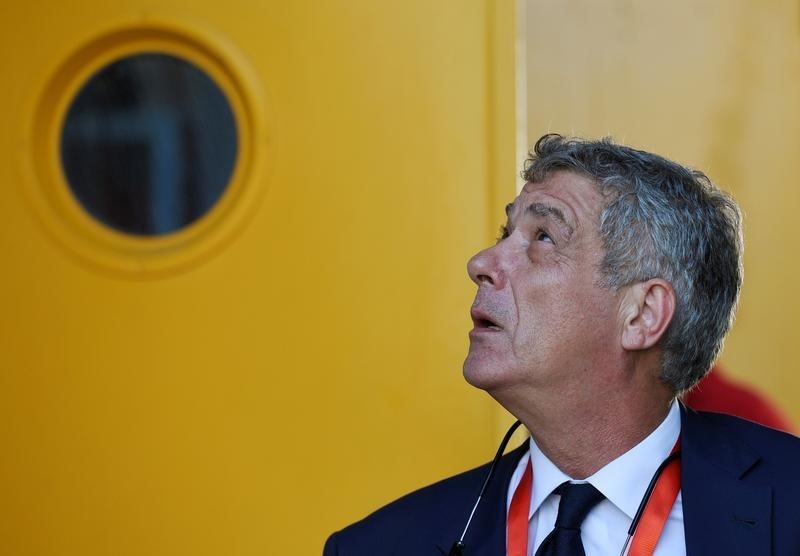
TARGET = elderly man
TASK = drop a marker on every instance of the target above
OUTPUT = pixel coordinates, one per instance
(608, 295)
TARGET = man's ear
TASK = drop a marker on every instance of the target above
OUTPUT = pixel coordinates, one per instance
(647, 309)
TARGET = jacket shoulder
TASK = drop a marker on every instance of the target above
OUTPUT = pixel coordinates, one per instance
(417, 522)
(411, 519)
(740, 487)
(778, 451)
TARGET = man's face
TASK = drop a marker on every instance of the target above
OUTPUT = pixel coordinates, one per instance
(541, 319)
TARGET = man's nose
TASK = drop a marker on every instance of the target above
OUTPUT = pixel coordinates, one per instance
(484, 268)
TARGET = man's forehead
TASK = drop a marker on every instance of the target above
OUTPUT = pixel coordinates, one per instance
(545, 210)
(539, 203)
(531, 186)
(573, 193)
(560, 178)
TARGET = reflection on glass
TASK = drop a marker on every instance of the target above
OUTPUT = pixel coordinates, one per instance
(149, 144)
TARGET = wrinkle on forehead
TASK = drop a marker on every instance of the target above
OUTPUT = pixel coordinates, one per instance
(578, 194)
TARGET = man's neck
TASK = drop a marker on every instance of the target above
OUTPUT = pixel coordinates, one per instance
(583, 438)
(581, 447)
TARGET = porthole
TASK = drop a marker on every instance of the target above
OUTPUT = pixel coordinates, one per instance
(148, 144)
(147, 148)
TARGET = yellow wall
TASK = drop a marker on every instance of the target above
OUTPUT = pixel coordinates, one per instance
(712, 84)
(250, 387)
(298, 369)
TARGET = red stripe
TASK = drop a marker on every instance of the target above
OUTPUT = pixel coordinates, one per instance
(517, 541)
(657, 510)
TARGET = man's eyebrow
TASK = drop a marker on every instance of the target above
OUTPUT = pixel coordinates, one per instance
(541, 209)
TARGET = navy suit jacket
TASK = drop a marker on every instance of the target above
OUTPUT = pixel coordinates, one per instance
(740, 484)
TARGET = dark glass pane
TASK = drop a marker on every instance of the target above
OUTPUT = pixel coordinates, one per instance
(149, 144)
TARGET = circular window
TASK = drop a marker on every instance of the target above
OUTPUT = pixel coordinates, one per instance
(147, 148)
(149, 144)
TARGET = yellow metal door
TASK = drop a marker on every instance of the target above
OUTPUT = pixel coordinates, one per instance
(290, 360)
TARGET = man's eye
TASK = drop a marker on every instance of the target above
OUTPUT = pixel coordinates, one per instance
(542, 235)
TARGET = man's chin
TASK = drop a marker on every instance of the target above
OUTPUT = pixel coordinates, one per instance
(483, 375)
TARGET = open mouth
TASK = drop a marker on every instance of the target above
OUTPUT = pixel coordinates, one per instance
(483, 322)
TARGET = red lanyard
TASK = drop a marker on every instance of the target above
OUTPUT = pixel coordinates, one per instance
(517, 541)
(656, 511)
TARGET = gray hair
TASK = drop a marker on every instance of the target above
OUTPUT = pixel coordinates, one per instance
(662, 220)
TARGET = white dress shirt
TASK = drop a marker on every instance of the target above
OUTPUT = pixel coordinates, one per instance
(623, 482)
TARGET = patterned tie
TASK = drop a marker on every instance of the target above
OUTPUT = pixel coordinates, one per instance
(577, 500)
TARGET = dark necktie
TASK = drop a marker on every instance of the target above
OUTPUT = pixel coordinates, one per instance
(577, 500)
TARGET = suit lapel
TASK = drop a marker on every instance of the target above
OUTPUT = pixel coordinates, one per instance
(487, 532)
(723, 513)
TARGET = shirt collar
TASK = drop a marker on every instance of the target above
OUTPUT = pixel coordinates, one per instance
(623, 481)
